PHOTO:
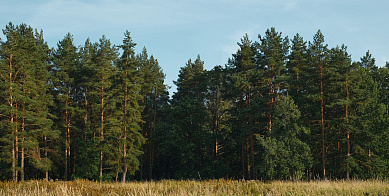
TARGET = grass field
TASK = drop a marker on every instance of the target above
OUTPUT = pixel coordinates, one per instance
(209, 187)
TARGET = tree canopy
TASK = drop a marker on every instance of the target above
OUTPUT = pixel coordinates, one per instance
(281, 108)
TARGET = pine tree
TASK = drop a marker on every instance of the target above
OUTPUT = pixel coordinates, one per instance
(100, 83)
(151, 88)
(217, 106)
(128, 85)
(28, 101)
(370, 138)
(44, 100)
(190, 82)
(339, 101)
(319, 59)
(65, 61)
(296, 68)
(244, 77)
(87, 101)
(11, 55)
(190, 129)
(272, 59)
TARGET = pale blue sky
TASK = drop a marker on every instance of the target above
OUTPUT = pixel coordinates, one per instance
(176, 30)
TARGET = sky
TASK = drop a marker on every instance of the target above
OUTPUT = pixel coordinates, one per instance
(174, 31)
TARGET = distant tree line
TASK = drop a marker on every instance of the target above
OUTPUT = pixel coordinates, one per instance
(280, 108)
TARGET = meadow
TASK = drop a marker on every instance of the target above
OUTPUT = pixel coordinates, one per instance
(191, 187)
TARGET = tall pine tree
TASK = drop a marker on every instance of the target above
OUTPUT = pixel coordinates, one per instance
(65, 61)
(127, 88)
(319, 59)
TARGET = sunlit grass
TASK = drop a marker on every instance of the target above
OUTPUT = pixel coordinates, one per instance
(190, 187)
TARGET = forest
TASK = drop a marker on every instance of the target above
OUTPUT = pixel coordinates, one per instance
(280, 109)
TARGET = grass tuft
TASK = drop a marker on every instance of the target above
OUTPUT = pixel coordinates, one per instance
(190, 187)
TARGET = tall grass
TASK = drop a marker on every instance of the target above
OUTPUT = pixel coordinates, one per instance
(188, 187)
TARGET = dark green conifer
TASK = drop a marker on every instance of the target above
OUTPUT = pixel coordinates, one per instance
(127, 87)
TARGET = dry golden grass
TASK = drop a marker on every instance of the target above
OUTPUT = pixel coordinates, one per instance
(188, 187)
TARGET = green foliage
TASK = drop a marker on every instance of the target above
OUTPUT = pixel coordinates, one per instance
(25, 99)
(65, 66)
(152, 89)
(285, 155)
(191, 81)
(127, 84)
(280, 109)
(184, 142)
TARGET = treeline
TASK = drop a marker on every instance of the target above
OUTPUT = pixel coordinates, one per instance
(74, 112)
(280, 109)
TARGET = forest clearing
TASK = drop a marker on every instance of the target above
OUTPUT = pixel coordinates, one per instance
(193, 187)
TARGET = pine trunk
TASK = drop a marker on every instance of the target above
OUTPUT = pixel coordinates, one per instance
(22, 161)
(46, 157)
(14, 177)
(16, 143)
(145, 136)
(248, 159)
(67, 136)
(249, 146)
(22, 145)
(298, 84)
(252, 158)
(125, 134)
(11, 104)
(151, 151)
(322, 122)
(348, 133)
(243, 161)
(86, 113)
(101, 133)
(271, 102)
